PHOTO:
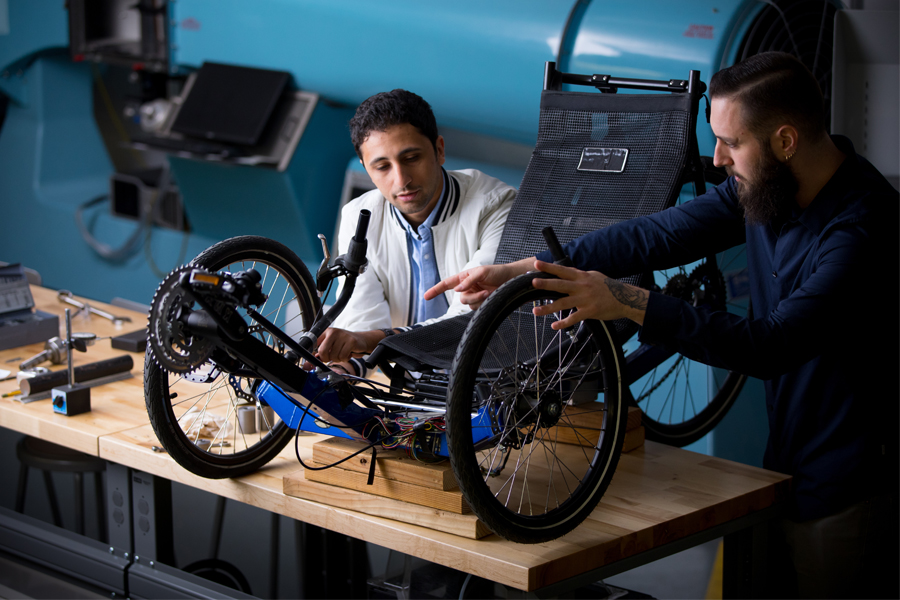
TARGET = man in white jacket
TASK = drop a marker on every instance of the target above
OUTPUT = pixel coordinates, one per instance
(426, 223)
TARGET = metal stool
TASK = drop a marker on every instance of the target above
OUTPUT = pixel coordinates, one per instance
(46, 456)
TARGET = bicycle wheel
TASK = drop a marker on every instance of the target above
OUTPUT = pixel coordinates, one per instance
(535, 418)
(195, 415)
(682, 400)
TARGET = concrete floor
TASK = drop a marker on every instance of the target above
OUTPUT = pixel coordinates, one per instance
(683, 575)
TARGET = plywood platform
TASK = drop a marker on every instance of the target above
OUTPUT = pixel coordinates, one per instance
(450, 501)
(428, 492)
(463, 525)
(394, 465)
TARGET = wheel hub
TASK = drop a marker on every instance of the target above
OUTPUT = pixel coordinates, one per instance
(543, 408)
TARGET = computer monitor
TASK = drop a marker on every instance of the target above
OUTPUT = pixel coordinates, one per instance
(230, 104)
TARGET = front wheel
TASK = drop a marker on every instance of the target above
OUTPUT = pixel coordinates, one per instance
(201, 417)
(536, 418)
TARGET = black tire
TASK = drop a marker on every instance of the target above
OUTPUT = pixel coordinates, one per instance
(563, 481)
(683, 400)
(285, 280)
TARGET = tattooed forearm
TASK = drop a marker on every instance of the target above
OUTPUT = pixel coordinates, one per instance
(627, 295)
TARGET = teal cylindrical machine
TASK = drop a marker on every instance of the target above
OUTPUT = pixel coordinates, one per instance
(480, 63)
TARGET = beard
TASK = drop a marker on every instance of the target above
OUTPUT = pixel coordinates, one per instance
(770, 193)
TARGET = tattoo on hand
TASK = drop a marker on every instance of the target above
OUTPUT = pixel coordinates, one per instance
(626, 294)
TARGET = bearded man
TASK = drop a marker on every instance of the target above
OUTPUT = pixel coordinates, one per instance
(820, 224)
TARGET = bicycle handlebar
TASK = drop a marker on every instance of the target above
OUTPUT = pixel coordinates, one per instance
(355, 259)
(362, 225)
(559, 255)
(353, 264)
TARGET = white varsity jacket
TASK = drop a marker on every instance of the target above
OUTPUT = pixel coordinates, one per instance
(466, 234)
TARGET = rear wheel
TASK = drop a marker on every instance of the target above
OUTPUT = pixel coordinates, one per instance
(209, 421)
(535, 417)
(683, 400)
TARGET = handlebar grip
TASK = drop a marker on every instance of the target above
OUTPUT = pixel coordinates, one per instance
(362, 225)
(355, 258)
(559, 255)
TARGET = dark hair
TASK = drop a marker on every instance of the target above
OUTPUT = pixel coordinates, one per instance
(773, 88)
(387, 109)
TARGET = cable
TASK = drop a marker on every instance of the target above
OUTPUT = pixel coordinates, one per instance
(465, 584)
(405, 438)
(126, 250)
(297, 432)
(105, 250)
(148, 254)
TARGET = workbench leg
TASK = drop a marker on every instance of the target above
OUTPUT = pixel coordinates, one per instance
(274, 555)
(118, 510)
(334, 565)
(152, 510)
(218, 522)
(101, 514)
(745, 565)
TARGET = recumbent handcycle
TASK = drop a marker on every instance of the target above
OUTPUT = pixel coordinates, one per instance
(494, 391)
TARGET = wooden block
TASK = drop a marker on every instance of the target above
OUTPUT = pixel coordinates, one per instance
(634, 418)
(451, 501)
(590, 414)
(584, 421)
(467, 526)
(389, 464)
(634, 439)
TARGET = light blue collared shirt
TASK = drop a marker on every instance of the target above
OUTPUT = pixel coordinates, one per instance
(420, 245)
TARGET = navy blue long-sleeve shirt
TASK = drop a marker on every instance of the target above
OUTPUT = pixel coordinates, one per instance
(824, 289)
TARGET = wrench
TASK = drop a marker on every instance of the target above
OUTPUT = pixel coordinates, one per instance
(66, 297)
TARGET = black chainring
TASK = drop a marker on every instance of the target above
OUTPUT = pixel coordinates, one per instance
(174, 349)
(707, 287)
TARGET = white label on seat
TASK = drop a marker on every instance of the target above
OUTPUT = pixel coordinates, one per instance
(607, 160)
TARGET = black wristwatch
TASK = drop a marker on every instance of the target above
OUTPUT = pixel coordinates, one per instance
(388, 332)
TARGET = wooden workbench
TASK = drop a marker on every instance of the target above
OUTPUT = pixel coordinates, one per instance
(660, 498)
(115, 407)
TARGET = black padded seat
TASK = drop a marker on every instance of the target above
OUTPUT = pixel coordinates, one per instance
(46, 456)
(433, 346)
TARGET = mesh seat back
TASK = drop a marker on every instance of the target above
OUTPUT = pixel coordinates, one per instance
(558, 190)
(655, 131)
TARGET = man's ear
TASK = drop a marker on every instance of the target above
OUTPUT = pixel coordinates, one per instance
(785, 141)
